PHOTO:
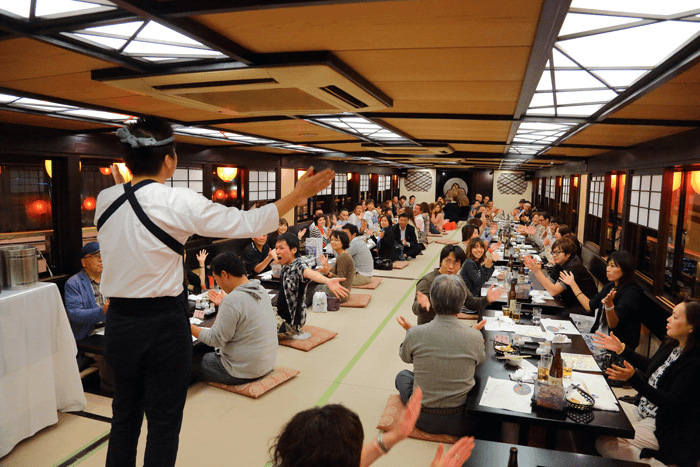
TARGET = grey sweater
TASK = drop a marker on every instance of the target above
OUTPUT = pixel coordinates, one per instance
(246, 331)
(444, 353)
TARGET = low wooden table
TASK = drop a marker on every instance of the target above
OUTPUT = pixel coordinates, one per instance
(492, 453)
(603, 423)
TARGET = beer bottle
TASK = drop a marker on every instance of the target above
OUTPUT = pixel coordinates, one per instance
(521, 272)
(513, 459)
(510, 260)
(512, 296)
(556, 371)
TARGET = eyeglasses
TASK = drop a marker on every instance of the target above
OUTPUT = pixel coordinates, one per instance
(557, 252)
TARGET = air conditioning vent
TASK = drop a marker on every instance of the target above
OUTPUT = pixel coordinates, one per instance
(279, 90)
(345, 97)
(411, 150)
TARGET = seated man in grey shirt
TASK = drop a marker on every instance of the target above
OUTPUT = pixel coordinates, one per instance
(444, 353)
(361, 256)
(245, 328)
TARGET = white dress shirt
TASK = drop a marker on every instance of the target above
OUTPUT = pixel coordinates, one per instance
(137, 264)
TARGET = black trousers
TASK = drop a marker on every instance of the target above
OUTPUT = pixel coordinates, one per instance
(148, 344)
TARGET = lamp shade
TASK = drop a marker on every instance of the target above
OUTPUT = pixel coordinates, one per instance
(677, 178)
(226, 174)
(105, 170)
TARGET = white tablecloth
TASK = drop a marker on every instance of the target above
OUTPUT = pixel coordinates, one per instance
(38, 371)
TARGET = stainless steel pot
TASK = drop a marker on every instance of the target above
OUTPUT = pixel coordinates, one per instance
(20, 266)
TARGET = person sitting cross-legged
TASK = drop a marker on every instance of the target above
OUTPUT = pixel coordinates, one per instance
(245, 328)
(295, 277)
(445, 354)
(361, 256)
(406, 235)
(344, 267)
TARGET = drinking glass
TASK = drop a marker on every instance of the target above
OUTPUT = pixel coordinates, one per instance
(543, 367)
(516, 313)
(536, 315)
(566, 364)
(506, 311)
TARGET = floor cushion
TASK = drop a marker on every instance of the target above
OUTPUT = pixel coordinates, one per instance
(318, 337)
(373, 284)
(275, 378)
(357, 300)
(400, 264)
(446, 241)
(390, 417)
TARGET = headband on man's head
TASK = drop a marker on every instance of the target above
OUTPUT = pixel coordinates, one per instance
(126, 137)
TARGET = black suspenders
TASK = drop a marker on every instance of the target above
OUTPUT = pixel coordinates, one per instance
(128, 195)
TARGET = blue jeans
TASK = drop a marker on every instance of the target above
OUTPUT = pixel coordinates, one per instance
(208, 367)
(148, 344)
(452, 424)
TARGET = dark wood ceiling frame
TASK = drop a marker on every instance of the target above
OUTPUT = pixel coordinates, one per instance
(459, 155)
(191, 29)
(21, 29)
(551, 19)
(180, 8)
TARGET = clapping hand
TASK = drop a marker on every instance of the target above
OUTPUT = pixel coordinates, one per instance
(480, 325)
(619, 373)
(488, 262)
(216, 296)
(608, 300)
(325, 267)
(546, 242)
(456, 456)
(610, 342)
(301, 233)
(272, 254)
(404, 323)
(532, 264)
(493, 293)
(423, 300)
(567, 278)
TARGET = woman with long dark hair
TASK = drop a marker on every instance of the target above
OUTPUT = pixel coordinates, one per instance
(666, 420)
(386, 241)
(617, 305)
(477, 268)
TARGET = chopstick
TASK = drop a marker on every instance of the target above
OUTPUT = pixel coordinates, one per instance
(524, 356)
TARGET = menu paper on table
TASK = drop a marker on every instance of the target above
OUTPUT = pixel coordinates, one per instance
(598, 387)
(499, 324)
(559, 326)
(533, 331)
(508, 395)
(581, 362)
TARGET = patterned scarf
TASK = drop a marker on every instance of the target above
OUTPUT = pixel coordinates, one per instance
(293, 278)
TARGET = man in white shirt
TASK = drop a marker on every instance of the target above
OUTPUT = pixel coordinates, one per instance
(142, 227)
(371, 218)
(361, 256)
(356, 217)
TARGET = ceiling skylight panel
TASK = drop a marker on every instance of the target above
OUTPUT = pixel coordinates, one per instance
(69, 7)
(579, 110)
(562, 61)
(122, 30)
(648, 7)
(579, 22)
(544, 126)
(5, 98)
(575, 79)
(541, 111)
(542, 99)
(545, 83)
(639, 46)
(98, 114)
(108, 42)
(620, 78)
(583, 97)
(161, 33)
(17, 7)
(150, 48)
(199, 131)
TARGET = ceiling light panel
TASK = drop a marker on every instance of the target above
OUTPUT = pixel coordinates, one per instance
(360, 126)
(55, 109)
(46, 9)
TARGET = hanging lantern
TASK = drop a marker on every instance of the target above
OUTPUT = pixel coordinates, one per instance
(124, 171)
(613, 182)
(89, 203)
(677, 178)
(349, 176)
(106, 171)
(219, 194)
(49, 167)
(695, 181)
(576, 181)
(37, 208)
(226, 174)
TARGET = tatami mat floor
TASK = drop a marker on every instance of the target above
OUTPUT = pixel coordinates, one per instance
(357, 369)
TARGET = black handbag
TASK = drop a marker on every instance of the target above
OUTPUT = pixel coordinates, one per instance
(383, 264)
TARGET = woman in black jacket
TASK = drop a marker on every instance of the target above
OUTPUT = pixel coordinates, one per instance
(618, 305)
(385, 239)
(477, 268)
(667, 420)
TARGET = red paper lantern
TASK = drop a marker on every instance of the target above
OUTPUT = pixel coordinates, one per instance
(89, 203)
(219, 194)
(106, 170)
(37, 208)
